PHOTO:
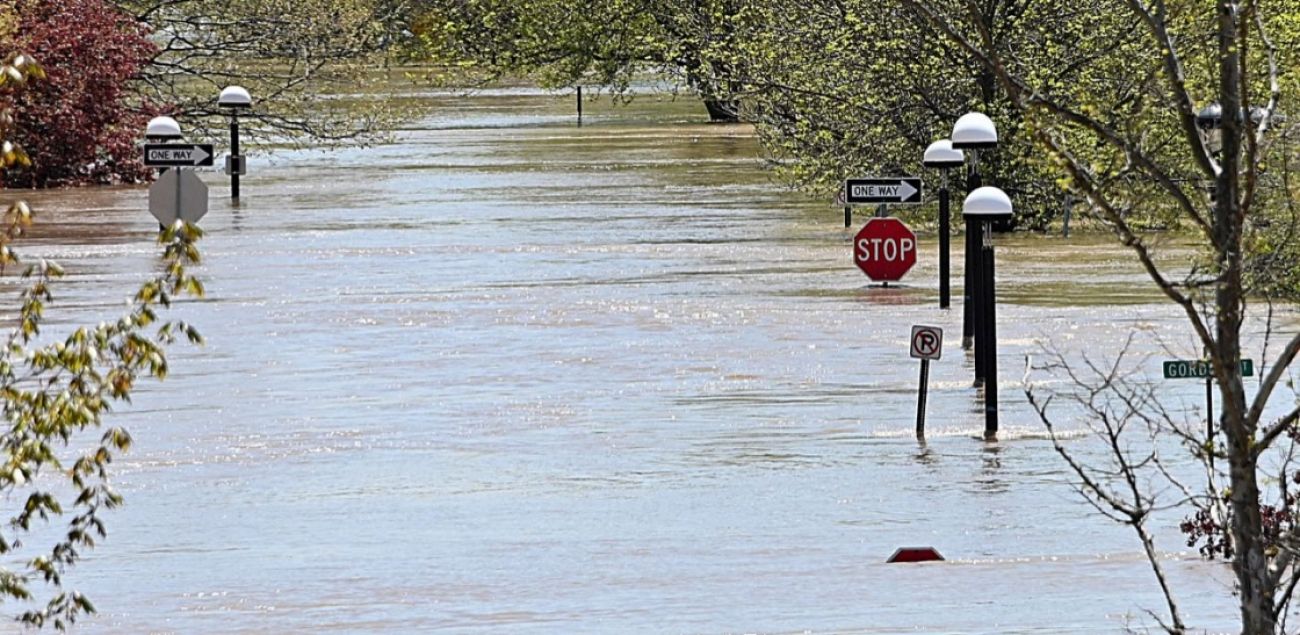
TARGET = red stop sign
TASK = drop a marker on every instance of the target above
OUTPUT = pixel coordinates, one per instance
(885, 249)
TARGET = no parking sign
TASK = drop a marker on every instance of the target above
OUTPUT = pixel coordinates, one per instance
(927, 342)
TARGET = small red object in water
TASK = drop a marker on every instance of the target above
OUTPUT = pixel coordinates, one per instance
(915, 554)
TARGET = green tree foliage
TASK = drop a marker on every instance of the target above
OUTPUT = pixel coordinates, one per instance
(602, 42)
(313, 67)
(55, 393)
(840, 88)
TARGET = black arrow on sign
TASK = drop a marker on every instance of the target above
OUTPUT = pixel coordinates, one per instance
(176, 155)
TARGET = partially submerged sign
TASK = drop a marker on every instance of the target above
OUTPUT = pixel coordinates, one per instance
(177, 155)
(1200, 369)
(915, 554)
(927, 344)
(897, 190)
(178, 194)
(885, 249)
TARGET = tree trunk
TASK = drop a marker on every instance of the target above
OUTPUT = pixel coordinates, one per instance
(721, 111)
(1250, 563)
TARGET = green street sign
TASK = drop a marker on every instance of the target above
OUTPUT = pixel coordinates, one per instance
(1200, 369)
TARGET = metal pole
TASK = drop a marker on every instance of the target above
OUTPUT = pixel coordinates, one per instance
(579, 105)
(234, 152)
(882, 211)
(1069, 206)
(848, 216)
(990, 340)
(943, 241)
(179, 172)
(162, 227)
(979, 301)
(972, 253)
(1209, 416)
(920, 403)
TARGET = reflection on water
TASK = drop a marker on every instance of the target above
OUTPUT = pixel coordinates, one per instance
(508, 374)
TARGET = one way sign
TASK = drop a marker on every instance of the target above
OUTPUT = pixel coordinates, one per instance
(177, 155)
(905, 189)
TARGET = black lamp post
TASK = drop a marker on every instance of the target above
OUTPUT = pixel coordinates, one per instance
(973, 131)
(942, 156)
(235, 99)
(982, 207)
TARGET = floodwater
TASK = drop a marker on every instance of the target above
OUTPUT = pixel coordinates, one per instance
(509, 375)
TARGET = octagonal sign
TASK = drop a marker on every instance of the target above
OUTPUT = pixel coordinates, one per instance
(885, 249)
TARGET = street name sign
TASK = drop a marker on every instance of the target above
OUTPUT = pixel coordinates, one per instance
(927, 342)
(1200, 369)
(177, 155)
(178, 194)
(897, 190)
(884, 249)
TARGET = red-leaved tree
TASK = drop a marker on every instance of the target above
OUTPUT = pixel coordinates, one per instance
(81, 126)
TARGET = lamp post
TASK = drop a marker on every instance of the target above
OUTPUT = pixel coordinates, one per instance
(973, 131)
(1210, 121)
(982, 207)
(942, 156)
(235, 99)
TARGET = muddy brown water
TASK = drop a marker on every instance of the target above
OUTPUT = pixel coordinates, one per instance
(508, 375)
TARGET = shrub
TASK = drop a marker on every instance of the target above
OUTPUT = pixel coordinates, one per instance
(80, 126)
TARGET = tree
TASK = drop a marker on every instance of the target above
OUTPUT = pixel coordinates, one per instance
(1130, 142)
(81, 126)
(842, 87)
(604, 42)
(313, 67)
(55, 392)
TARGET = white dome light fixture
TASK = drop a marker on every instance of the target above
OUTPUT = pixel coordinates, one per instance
(974, 131)
(941, 154)
(987, 204)
(163, 129)
(235, 97)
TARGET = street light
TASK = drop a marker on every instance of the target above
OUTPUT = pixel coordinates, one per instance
(1210, 121)
(942, 156)
(162, 129)
(973, 131)
(235, 99)
(981, 208)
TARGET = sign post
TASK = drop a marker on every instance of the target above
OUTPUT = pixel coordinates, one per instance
(884, 249)
(927, 344)
(1197, 369)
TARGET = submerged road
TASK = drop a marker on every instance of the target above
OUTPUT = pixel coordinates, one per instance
(511, 375)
